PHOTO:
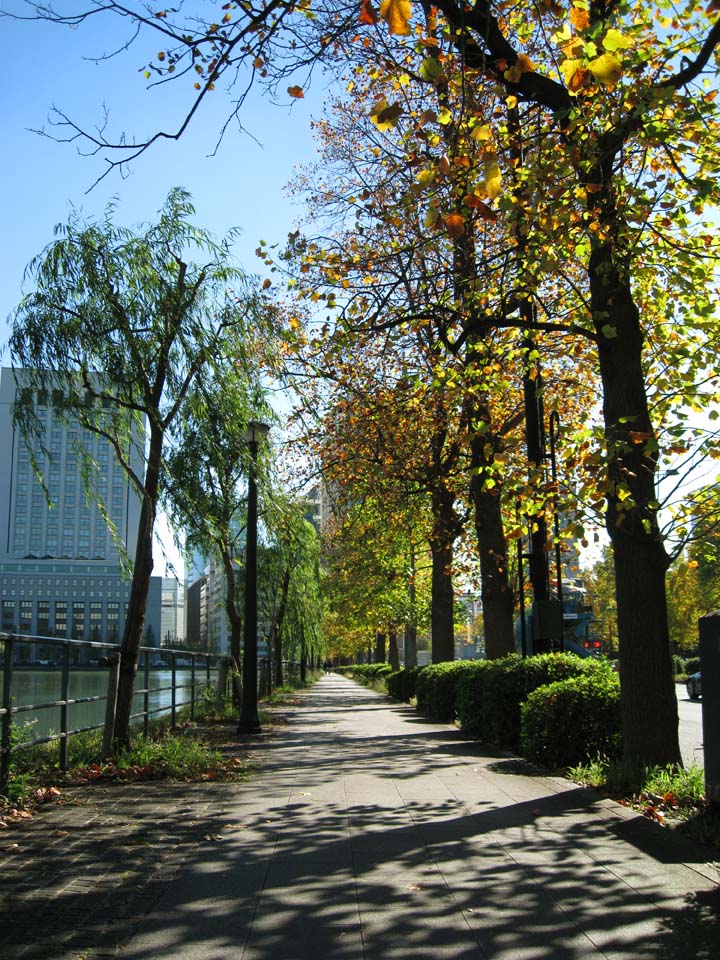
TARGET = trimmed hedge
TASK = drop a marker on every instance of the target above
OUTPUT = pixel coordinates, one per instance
(491, 692)
(574, 720)
(402, 684)
(436, 689)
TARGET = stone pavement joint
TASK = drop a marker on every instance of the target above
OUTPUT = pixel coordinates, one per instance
(368, 833)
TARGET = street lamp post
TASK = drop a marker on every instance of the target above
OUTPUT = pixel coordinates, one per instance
(249, 721)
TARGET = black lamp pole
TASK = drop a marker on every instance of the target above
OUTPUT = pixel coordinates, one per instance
(249, 721)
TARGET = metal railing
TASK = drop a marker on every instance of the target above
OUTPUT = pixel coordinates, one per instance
(197, 662)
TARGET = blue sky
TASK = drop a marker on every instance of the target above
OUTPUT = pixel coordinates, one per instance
(242, 186)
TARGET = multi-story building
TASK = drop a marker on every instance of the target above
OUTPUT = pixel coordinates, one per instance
(60, 574)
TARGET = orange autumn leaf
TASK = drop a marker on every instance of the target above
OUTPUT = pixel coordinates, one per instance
(296, 92)
(454, 224)
(396, 13)
(368, 13)
(579, 79)
(579, 18)
(474, 202)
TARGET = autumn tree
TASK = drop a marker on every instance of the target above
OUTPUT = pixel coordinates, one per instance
(124, 323)
(628, 177)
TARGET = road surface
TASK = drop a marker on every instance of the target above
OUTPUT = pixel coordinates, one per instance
(691, 738)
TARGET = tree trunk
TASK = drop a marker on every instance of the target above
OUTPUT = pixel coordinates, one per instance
(496, 593)
(235, 624)
(649, 703)
(443, 535)
(137, 603)
(279, 679)
(379, 647)
(410, 650)
(393, 653)
(303, 657)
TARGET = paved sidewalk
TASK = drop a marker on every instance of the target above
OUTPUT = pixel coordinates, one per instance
(368, 834)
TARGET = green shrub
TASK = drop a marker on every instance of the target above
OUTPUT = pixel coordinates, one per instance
(490, 696)
(573, 720)
(692, 665)
(469, 698)
(367, 673)
(436, 689)
(678, 666)
(402, 684)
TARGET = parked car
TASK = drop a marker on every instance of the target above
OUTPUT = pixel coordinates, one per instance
(694, 686)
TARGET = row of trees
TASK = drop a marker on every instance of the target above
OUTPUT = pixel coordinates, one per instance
(163, 357)
(507, 187)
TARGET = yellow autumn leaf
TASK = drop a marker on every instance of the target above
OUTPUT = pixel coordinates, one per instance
(397, 13)
(431, 217)
(444, 117)
(606, 68)
(569, 68)
(385, 115)
(614, 40)
(493, 179)
(481, 133)
(425, 177)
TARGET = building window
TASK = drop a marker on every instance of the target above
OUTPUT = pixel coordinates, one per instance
(43, 618)
(25, 623)
(8, 615)
(78, 620)
(60, 618)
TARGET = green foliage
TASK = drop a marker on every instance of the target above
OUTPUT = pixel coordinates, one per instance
(437, 687)
(692, 665)
(489, 706)
(368, 673)
(676, 788)
(175, 756)
(403, 683)
(570, 720)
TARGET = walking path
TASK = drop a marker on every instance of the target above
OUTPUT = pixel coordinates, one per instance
(368, 834)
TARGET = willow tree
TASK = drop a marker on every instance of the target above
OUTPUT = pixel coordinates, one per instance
(208, 465)
(121, 325)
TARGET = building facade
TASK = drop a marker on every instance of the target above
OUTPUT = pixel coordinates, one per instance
(60, 574)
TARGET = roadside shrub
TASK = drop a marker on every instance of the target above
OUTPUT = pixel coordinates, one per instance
(367, 673)
(401, 684)
(573, 720)
(678, 665)
(489, 696)
(692, 665)
(436, 689)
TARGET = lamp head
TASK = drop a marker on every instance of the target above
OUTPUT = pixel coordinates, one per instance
(256, 431)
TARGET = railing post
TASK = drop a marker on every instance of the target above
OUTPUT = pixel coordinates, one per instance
(111, 706)
(64, 696)
(7, 716)
(146, 697)
(192, 686)
(173, 694)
